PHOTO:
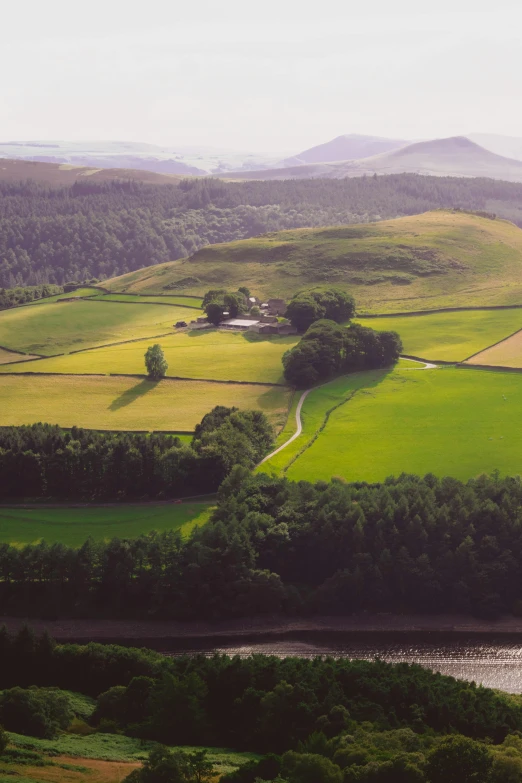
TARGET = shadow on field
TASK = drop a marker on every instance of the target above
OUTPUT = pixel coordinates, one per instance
(130, 395)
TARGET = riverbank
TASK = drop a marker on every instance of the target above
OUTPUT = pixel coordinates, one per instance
(274, 625)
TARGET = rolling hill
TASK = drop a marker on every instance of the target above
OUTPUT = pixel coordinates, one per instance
(454, 157)
(437, 259)
(65, 174)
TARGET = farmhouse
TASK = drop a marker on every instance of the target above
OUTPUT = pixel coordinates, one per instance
(276, 306)
(272, 328)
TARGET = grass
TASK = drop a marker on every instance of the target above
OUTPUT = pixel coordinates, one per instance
(214, 354)
(318, 402)
(61, 327)
(115, 747)
(456, 422)
(423, 262)
(118, 748)
(450, 337)
(116, 403)
(508, 353)
(184, 301)
(73, 526)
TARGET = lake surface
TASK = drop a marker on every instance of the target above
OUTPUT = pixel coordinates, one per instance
(494, 661)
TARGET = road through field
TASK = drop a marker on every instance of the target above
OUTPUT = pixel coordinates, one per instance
(299, 423)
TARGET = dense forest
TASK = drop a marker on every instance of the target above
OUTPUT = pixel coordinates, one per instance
(315, 721)
(44, 461)
(409, 545)
(58, 234)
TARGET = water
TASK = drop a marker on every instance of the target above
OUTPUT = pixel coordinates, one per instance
(493, 661)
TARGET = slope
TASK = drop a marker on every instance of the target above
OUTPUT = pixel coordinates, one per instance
(66, 174)
(424, 262)
(453, 157)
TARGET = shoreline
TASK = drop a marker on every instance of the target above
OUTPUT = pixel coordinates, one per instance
(84, 630)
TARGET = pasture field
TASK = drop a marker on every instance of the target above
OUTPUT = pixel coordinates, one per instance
(116, 403)
(183, 301)
(449, 337)
(449, 421)
(421, 262)
(73, 526)
(316, 406)
(508, 353)
(200, 353)
(61, 327)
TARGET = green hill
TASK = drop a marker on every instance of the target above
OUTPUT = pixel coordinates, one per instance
(437, 259)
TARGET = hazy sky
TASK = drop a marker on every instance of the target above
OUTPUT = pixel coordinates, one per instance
(273, 76)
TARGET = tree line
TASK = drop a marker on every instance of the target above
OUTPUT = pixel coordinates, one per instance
(322, 720)
(11, 297)
(58, 234)
(411, 544)
(42, 460)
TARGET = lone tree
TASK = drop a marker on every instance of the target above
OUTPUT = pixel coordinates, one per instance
(155, 362)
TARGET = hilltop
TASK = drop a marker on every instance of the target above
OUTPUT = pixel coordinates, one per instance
(454, 157)
(437, 259)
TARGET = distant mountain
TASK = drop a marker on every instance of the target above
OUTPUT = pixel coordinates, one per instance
(188, 161)
(351, 146)
(508, 146)
(454, 157)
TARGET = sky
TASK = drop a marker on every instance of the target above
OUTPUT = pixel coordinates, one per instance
(270, 77)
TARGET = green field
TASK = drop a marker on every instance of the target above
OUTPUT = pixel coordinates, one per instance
(61, 327)
(456, 422)
(449, 337)
(422, 262)
(116, 403)
(73, 526)
(183, 301)
(201, 353)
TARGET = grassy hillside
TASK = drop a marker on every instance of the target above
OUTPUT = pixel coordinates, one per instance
(73, 526)
(437, 259)
(48, 329)
(116, 403)
(451, 422)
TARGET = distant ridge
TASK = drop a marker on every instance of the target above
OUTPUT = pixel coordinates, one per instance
(351, 146)
(457, 156)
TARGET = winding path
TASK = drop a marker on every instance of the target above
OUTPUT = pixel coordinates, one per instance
(304, 395)
(299, 425)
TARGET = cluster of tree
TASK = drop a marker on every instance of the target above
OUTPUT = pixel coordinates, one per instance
(42, 460)
(328, 349)
(52, 235)
(315, 721)
(10, 297)
(219, 301)
(309, 306)
(408, 545)
(40, 712)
